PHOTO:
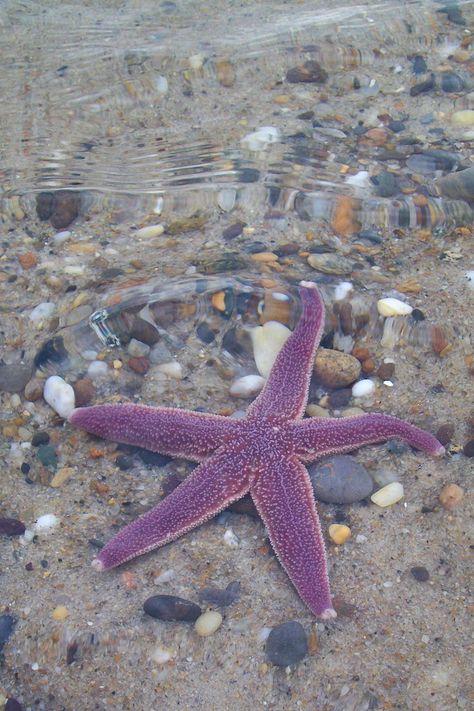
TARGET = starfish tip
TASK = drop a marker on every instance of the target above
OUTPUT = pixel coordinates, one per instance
(98, 565)
(328, 614)
(70, 417)
(440, 451)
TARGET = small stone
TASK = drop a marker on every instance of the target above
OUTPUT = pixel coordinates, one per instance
(340, 479)
(468, 449)
(13, 705)
(40, 437)
(363, 388)
(65, 208)
(14, 377)
(208, 623)
(451, 82)
(261, 138)
(329, 263)
(161, 655)
(60, 613)
(313, 410)
(340, 398)
(11, 527)
(225, 72)
(59, 395)
(386, 370)
(219, 597)
(388, 495)
(267, 341)
(139, 365)
(226, 199)
(61, 477)
(445, 433)
(420, 573)
(339, 533)
(47, 456)
(463, 119)
(137, 349)
(28, 260)
(97, 369)
(287, 644)
(336, 369)
(173, 369)
(42, 313)
(310, 71)
(451, 496)
(423, 87)
(7, 623)
(171, 608)
(233, 231)
(246, 387)
(46, 522)
(124, 462)
(150, 231)
(393, 307)
(84, 390)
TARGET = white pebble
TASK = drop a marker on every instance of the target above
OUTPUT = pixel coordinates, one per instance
(470, 279)
(161, 85)
(46, 522)
(158, 208)
(207, 623)
(61, 237)
(393, 307)
(226, 199)
(172, 369)
(388, 383)
(359, 180)
(74, 270)
(196, 61)
(138, 349)
(150, 231)
(389, 495)
(363, 388)
(42, 312)
(247, 386)
(160, 655)
(261, 138)
(97, 369)
(342, 290)
(267, 341)
(28, 535)
(59, 395)
(360, 538)
(230, 539)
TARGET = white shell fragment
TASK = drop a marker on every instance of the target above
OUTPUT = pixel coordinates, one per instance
(363, 388)
(393, 307)
(59, 395)
(150, 231)
(46, 522)
(388, 495)
(207, 623)
(342, 290)
(261, 138)
(247, 386)
(267, 341)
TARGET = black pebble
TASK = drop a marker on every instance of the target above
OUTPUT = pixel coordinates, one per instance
(13, 705)
(40, 438)
(396, 126)
(287, 644)
(468, 449)
(124, 462)
(420, 573)
(423, 87)
(152, 459)
(419, 65)
(233, 231)
(11, 527)
(340, 398)
(7, 623)
(204, 333)
(171, 608)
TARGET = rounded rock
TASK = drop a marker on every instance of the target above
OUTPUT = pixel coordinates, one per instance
(329, 263)
(336, 369)
(171, 608)
(340, 480)
(14, 377)
(339, 533)
(388, 495)
(7, 623)
(267, 341)
(287, 644)
(11, 527)
(393, 307)
(468, 449)
(247, 386)
(451, 496)
(208, 623)
(420, 573)
(59, 395)
(363, 388)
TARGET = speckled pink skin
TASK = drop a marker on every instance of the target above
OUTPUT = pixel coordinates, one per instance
(262, 453)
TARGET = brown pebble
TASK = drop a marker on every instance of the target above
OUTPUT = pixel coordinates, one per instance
(368, 365)
(445, 433)
(66, 206)
(28, 260)
(345, 318)
(386, 371)
(310, 71)
(451, 496)
(11, 527)
(360, 352)
(439, 341)
(84, 390)
(234, 230)
(335, 369)
(225, 72)
(139, 364)
(468, 449)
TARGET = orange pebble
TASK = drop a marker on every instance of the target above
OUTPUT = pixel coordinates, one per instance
(28, 260)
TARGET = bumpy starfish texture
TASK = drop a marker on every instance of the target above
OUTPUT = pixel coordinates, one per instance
(263, 453)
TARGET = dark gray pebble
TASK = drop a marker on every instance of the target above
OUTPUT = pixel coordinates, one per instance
(468, 449)
(445, 433)
(287, 644)
(47, 456)
(396, 126)
(14, 376)
(152, 459)
(340, 480)
(386, 184)
(7, 623)
(11, 527)
(233, 231)
(124, 462)
(220, 597)
(171, 608)
(451, 82)
(420, 573)
(419, 65)
(38, 438)
(340, 398)
(310, 71)
(13, 705)
(423, 87)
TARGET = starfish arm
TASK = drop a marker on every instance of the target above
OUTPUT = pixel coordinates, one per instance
(211, 487)
(284, 499)
(171, 431)
(286, 390)
(317, 437)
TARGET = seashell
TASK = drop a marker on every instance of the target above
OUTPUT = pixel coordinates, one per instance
(388, 495)
(393, 307)
(459, 186)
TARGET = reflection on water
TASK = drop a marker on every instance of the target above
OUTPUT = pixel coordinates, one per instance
(139, 99)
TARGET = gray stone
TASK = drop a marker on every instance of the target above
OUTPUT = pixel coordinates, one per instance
(14, 376)
(340, 480)
(287, 644)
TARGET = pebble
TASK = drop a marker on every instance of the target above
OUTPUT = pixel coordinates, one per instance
(97, 369)
(226, 200)
(247, 386)
(208, 623)
(267, 341)
(173, 369)
(339, 533)
(137, 349)
(451, 496)
(336, 369)
(59, 395)
(388, 495)
(451, 82)
(393, 307)
(287, 644)
(340, 479)
(42, 312)
(386, 370)
(468, 449)
(40, 437)
(124, 462)
(311, 72)
(420, 573)
(11, 527)
(61, 207)
(84, 390)
(13, 705)
(171, 608)
(47, 456)
(340, 398)
(61, 477)
(329, 263)
(342, 290)
(363, 388)
(313, 410)
(150, 231)
(46, 522)
(445, 433)
(161, 655)
(14, 377)
(463, 118)
(219, 597)
(60, 613)
(261, 138)
(7, 623)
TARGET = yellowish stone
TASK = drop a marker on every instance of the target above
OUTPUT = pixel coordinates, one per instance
(339, 533)
(207, 623)
(60, 613)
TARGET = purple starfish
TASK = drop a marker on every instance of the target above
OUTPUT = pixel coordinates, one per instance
(264, 453)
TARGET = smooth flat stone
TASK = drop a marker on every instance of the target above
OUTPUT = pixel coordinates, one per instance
(340, 479)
